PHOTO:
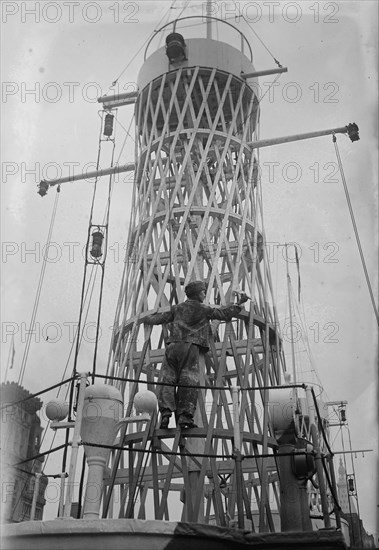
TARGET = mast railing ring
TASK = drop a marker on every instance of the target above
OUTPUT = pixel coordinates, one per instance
(202, 17)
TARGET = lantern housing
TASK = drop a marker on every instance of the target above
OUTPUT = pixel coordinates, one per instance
(175, 47)
(97, 243)
(108, 125)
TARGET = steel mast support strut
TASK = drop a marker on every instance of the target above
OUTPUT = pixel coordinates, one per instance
(265, 72)
(45, 184)
(351, 130)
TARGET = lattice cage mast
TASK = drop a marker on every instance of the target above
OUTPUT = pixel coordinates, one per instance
(197, 214)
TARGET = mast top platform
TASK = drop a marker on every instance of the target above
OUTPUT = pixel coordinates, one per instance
(199, 52)
(176, 25)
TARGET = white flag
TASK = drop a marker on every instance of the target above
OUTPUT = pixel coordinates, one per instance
(11, 354)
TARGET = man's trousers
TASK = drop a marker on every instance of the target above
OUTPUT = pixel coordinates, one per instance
(180, 368)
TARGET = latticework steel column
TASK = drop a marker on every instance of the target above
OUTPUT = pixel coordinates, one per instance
(196, 214)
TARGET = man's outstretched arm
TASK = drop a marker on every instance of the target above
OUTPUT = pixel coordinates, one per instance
(226, 313)
(159, 318)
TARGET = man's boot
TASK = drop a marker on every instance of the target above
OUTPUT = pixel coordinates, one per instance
(186, 421)
(164, 422)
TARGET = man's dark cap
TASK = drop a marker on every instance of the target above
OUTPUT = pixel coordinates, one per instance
(195, 287)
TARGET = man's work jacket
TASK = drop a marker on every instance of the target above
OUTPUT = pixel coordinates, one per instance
(189, 321)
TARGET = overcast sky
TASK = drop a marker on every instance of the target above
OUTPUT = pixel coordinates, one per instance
(59, 57)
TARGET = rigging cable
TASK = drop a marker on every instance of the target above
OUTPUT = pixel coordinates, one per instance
(33, 458)
(63, 382)
(260, 40)
(307, 343)
(355, 227)
(355, 479)
(144, 466)
(245, 120)
(82, 297)
(102, 265)
(39, 288)
(127, 134)
(24, 488)
(330, 485)
(186, 4)
(146, 41)
(72, 379)
(34, 395)
(300, 316)
(348, 491)
(117, 313)
(83, 294)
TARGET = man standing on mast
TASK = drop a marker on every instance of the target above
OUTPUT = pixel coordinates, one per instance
(189, 336)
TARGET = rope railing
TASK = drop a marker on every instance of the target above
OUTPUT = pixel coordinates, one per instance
(36, 457)
(201, 455)
(37, 394)
(115, 447)
(200, 387)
